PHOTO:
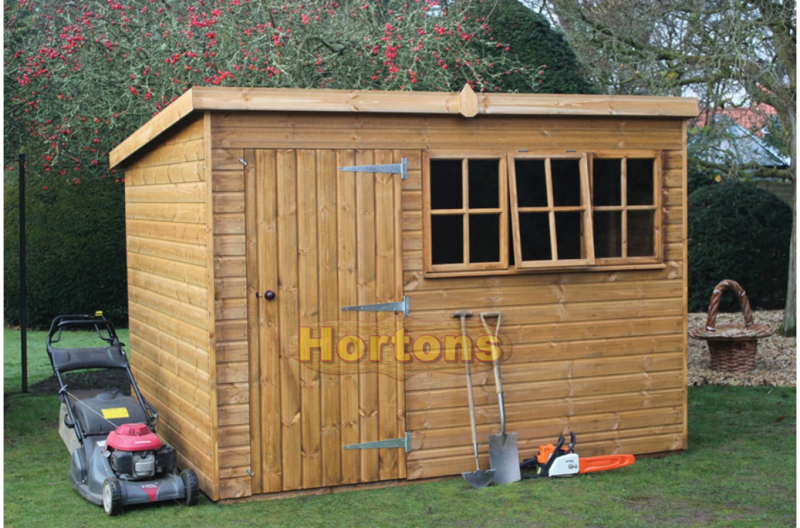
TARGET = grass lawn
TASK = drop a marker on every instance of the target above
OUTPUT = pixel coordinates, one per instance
(739, 469)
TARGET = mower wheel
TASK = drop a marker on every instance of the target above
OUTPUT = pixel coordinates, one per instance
(112, 496)
(191, 486)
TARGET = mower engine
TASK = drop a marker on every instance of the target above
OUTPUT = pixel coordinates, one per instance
(136, 453)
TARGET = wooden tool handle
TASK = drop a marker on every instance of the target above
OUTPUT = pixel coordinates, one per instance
(498, 377)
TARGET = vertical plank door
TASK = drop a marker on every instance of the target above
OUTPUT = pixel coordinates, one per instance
(324, 239)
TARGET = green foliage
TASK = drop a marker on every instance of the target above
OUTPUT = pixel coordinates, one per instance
(75, 250)
(531, 41)
(739, 232)
(699, 175)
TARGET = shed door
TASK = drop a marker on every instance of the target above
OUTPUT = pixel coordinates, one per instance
(321, 239)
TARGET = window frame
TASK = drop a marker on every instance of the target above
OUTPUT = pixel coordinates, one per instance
(428, 212)
(658, 178)
(585, 208)
(508, 206)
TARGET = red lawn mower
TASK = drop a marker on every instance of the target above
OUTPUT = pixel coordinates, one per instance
(117, 459)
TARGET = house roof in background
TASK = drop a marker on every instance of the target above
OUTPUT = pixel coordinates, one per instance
(745, 137)
(749, 118)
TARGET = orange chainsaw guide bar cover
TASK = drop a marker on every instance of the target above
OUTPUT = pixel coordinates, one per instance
(605, 462)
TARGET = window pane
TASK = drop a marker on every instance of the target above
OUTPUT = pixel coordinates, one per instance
(446, 184)
(640, 182)
(566, 182)
(608, 234)
(568, 235)
(484, 238)
(531, 183)
(447, 239)
(641, 234)
(484, 183)
(607, 186)
(534, 234)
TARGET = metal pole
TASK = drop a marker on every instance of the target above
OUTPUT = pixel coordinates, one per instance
(23, 309)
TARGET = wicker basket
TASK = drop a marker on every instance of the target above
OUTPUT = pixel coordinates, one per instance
(732, 347)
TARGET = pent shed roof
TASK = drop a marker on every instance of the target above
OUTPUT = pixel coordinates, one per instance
(465, 103)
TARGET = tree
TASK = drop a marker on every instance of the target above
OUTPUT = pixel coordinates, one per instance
(726, 52)
(80, 77)
(531, 39)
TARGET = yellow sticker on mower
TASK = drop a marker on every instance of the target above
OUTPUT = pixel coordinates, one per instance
(116, 412)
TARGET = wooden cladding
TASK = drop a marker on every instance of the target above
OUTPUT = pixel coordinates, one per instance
(222, 209)
(169, 294)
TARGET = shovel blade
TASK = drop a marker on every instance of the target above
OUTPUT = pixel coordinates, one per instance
(478, 479)
(504, 457)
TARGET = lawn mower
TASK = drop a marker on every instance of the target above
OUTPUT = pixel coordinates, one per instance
(562, 461)
(117, 459)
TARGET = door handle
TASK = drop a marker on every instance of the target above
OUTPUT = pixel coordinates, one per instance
(268, 295)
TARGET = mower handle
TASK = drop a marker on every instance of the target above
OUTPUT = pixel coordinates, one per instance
(66, 321)
(61, 322)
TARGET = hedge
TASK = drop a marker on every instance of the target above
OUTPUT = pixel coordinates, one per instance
(75, 250)
(531, 38)
(738, 231)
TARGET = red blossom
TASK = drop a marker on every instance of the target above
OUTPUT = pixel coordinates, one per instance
(72, 60)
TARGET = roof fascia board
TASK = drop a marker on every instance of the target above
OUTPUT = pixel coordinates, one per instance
(465, 103)
(161, 122)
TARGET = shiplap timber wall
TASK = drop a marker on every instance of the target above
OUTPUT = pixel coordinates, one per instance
(168, 292)
(601, 353)
(230, 305)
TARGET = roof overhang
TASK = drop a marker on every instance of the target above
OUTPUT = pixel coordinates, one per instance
(465, 103)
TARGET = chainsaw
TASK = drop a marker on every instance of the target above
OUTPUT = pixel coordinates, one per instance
(562, 461)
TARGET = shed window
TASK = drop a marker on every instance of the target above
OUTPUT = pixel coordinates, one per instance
(467, 213)
(624, 210)
(527, 211)
(550, 211)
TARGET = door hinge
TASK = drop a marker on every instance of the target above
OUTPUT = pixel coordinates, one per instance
(395, 168)
(401, 306)
(404, 442)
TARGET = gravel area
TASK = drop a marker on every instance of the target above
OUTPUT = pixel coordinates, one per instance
(776, 360)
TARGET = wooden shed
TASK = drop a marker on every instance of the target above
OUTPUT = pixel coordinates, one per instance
(567, 213)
